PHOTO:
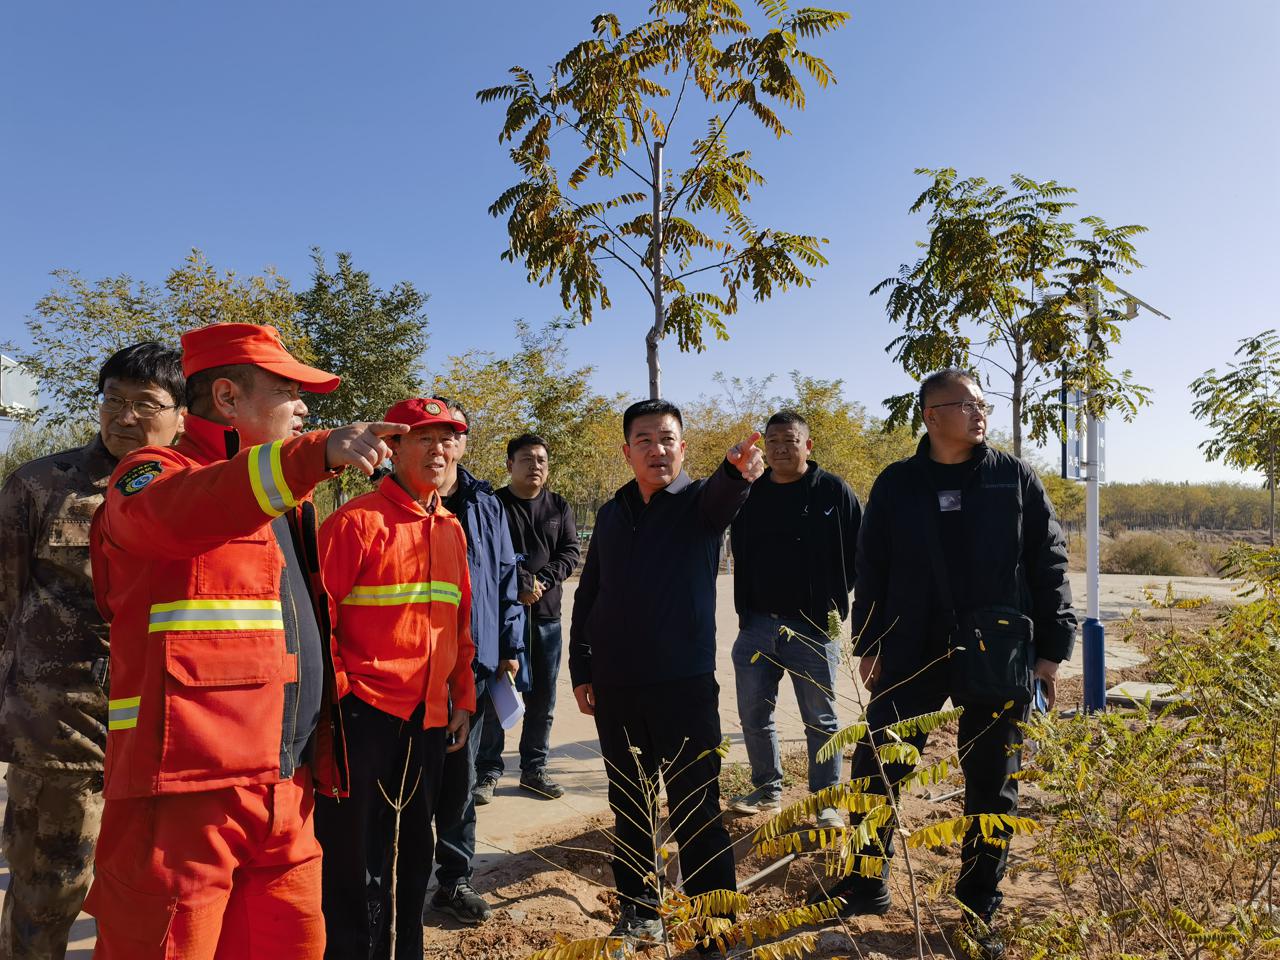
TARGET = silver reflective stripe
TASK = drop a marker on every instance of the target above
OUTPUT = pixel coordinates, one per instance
(122, 713)
(177, 616)
(268, 478)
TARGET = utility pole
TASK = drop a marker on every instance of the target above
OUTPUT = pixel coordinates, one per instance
(659, 314)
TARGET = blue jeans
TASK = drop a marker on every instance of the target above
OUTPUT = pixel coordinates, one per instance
(455, 810)
(810, 658)
(544, 647)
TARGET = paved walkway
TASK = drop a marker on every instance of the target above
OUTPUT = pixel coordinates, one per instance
(513, 818)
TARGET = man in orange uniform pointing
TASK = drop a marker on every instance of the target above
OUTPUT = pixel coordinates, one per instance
(221, 701)
(394, 563)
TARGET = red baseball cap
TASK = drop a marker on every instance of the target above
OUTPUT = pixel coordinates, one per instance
(424, 412)
(223, 344)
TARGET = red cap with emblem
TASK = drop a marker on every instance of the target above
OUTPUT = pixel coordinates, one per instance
(424, 412)
(225, 344)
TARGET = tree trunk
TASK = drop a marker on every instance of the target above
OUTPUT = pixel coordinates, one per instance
(1019, 378)
(659, 314)
(1271, 482)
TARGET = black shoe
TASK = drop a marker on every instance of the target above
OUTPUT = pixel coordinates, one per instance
(634, 930)
(976, 939)
(483, 793)
(462, 903)
(863, 897)
(541, 784)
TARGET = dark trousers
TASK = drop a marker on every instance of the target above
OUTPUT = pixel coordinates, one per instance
(455, 809)
(357, 834)
(672, 729)
(989, 742)
(544, 646)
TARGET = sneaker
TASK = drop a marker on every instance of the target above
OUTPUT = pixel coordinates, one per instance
(759, 800)
(539, 783)
(483, 793)
(975, 938)
(829, 818)
(462, 903)
(634, 930)
(862, 896)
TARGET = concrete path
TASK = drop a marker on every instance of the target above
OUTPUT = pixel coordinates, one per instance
(508, 824)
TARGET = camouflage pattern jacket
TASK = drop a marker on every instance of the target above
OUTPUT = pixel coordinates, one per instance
(52, 711)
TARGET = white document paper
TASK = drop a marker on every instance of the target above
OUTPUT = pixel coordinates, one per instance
(506, 700)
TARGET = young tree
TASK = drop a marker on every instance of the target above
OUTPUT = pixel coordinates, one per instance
(78, 324)
(1242, 407)
(620, 91)
(1010, 286)
(534, 389)
(373, 339)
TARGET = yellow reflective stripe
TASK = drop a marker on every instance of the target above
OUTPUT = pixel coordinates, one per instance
(277, 476)
(266, 477)
(392, 594)
(123, 714)
(216, 605)
(183, 615)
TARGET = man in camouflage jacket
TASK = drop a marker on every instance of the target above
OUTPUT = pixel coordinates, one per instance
(53, 653)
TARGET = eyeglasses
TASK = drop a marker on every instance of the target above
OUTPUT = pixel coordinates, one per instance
(142, 409)
(969, 407)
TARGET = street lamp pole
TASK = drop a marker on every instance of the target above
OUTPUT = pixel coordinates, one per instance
(1095, 653)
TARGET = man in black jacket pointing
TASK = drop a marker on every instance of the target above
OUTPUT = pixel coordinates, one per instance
(957, 529)
(642, 655)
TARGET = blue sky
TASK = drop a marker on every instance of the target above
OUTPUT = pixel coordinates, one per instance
(134, 131)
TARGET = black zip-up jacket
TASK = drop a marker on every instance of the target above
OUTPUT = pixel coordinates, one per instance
(543, 531)
(1015, 552)
(829, 533)
(645, 608)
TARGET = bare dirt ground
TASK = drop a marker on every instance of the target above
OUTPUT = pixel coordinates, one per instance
(558, 889)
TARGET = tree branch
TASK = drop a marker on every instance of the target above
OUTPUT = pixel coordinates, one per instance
(680, 96)
(648, 286)
(714, 266)
(723, 124)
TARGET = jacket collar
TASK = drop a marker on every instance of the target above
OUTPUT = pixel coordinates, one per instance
(398, 495)
(96, 459)
(209, 441)
(980, 451)
(470, 485)
(678, 485)
(809, 479)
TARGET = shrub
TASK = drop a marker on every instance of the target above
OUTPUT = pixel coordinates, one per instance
(1147, 554)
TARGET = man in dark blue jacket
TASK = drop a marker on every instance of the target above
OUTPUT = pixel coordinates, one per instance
(642, 652)
(497, 629)
(959, 527)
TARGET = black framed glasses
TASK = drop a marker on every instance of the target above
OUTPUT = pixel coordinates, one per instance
(970, 407)
(142, 409)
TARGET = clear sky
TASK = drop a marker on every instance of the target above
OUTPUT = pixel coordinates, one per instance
(133, 131)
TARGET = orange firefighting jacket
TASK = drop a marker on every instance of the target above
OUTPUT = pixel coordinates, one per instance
(189, 574)
(400, 602)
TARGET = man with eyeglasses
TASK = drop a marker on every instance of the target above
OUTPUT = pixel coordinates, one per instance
(53, 701)
(957, 529)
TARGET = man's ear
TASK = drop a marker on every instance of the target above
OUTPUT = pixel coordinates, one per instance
(224, 394)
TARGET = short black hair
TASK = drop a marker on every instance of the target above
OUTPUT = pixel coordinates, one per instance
(786, 418)
(943, 378)
(200, 384)
(147, 362)
(516, 444)
(455, 406)
(649, 408)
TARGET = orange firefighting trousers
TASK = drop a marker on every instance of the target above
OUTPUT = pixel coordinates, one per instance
(230, 874)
